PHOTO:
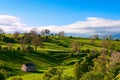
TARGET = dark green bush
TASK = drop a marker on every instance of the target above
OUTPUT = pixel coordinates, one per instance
(2, 77)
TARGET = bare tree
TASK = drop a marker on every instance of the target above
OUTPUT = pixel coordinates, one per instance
(115, 58)
(104, 37)
(109, 37)
(45, 32)
(42, 33)
(96, 36)
(33, 32)
(16, 35)
(10, 46)
(23, 43)
(93, 39)
(37, 42)
(75, 47)
(1, 31)
(61, 34)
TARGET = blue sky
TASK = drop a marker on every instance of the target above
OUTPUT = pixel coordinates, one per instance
(35, 13)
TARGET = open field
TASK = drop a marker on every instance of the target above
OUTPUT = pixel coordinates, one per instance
(54, 53)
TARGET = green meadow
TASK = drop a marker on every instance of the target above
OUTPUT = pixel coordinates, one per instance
(55, 52)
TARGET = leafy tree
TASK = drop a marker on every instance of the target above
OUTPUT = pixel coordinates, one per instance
(115, 70)
(85, 66)
(77, 71)
(101, 64)
(93, 75)
(53, 74)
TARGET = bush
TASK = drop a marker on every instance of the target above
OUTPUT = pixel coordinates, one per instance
(18, 48)
(53, 74)
(2, 77)
(5, 48)
(0, 47)
(92, 75)
(87, 50)
(29, 48)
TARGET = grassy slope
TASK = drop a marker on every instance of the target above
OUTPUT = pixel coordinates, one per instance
(48, 56)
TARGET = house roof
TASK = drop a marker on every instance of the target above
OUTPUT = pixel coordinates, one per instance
(29, 64)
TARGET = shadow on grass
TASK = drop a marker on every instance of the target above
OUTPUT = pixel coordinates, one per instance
(37, 72)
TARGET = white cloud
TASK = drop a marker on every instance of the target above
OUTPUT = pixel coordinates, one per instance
(11, 23)
(92, 25)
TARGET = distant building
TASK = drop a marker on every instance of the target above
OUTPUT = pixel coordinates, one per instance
(28, 67)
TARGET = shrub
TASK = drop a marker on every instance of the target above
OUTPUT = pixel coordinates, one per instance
(53, 74)
(29, 48)
(87, 51)
(92, 75)
(2, 77)
(18, 48)
(0, 47)
(5, 48)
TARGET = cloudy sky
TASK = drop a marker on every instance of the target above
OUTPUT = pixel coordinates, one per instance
(80, 17)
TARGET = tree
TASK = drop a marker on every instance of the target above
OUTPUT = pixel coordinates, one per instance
(16, 35)
(85, 66)
(93, 75)
(33, 32)
(77, 71)
(101, 64)
(45, 32)
(115, 58)
(10, 46)
(61, 34)
(23, 43)
(37, 42)
(104, 37)
(53, 73)
(109, 37)
(1, 31)
(95, 37)
(75, 47)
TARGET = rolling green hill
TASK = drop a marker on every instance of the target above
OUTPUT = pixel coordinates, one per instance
(55, 52)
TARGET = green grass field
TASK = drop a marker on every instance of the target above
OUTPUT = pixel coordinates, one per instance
(52, 54)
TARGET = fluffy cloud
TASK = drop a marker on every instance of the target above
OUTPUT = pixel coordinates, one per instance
(11, 23)
(92, 25)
